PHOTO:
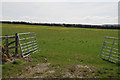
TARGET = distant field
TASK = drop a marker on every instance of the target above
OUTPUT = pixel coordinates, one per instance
(64, 48)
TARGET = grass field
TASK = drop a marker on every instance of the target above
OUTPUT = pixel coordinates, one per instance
(64, 48)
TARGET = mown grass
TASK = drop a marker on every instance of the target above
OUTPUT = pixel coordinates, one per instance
(63, 47)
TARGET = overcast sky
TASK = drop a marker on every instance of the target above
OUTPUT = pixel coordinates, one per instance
(59, 0)
(61, 12)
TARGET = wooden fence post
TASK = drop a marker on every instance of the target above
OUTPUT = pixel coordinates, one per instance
(16, 44)
(7, 47)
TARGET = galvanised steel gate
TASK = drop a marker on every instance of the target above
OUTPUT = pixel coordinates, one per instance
(110, 49)
(28, 43)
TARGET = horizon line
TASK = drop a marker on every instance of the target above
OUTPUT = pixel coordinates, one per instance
(60, 22)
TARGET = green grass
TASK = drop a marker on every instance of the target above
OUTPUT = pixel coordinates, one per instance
(63, 46)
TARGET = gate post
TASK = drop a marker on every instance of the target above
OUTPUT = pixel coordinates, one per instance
(16, 44)
(7, 46)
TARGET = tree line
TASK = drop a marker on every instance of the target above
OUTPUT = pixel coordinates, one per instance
(109, 26)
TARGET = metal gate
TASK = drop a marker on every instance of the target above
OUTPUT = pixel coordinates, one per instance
(110, 49)
(28, 43)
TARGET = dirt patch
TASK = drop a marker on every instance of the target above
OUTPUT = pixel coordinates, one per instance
(18, 57)
(35, 72)
(43, 70)
(79, 71)
(10, 60)
(28, 59)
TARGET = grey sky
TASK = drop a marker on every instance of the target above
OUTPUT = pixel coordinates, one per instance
(60, 0)
(61, 12)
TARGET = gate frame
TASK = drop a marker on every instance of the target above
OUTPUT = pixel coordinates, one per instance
(111, 48)
(34, 49)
